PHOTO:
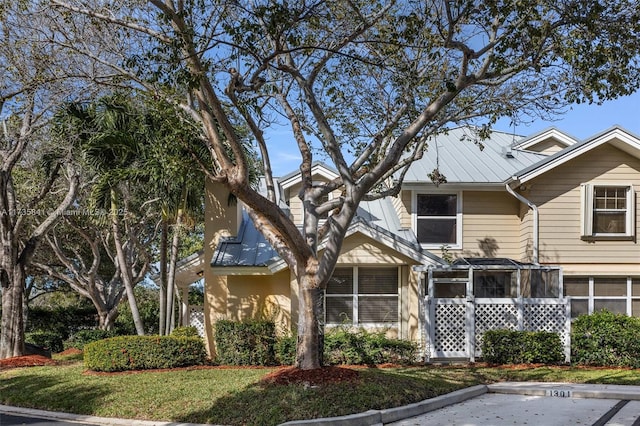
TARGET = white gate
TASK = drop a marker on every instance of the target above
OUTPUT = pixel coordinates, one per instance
(454, 326)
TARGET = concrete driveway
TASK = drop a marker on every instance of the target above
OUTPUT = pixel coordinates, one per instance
(493, 409)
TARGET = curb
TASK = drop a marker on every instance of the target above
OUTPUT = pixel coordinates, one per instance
(94, 420)
(567, 390)
(380, 417)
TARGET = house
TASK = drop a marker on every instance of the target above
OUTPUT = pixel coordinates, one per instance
(522, 230)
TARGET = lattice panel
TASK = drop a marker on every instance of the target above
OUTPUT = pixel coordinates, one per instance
(494, 316)
(450, 329)
(546, 318)
(196, 319)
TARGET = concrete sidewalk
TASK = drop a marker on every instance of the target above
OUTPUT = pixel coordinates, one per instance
(559, 391)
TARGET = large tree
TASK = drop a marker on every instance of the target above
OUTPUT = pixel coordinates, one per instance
(362, 84)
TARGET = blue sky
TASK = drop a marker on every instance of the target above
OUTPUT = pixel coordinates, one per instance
(580, 121)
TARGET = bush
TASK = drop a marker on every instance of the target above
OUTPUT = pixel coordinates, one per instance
(517, 347)
(49, 340)
(286, 350)
(343, 346)
(84, 337)
(606, 339)
(189, 331)
(63, 321)
(248, 342)
(143, 352)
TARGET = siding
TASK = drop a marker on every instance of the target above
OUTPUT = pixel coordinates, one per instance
(490, 225)
(557, 193)
(405, 210)
(548, 146)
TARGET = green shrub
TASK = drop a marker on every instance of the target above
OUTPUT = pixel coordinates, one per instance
(49, 340)
(84, 337)
(63, 321)
(606, 339)
(143, 352)
(189, 331)
(361, 347)
(347, 347)
(516, 347)
(285, 349)
(249, 342)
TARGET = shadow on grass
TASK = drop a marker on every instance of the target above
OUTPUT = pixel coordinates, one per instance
(271, 404)
(49, 393)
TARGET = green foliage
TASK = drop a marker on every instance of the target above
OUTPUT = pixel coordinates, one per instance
(149, 307)
(143, 352)
(516, 347)
(343, 346)
(606, 339)
(83, 337)
(185, 332)
(49, 340)
(347, 347)
(285, 349)
(248, 342)
(63, 321)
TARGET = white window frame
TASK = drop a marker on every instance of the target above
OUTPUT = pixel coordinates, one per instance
(415, 217)
(355, 321)
(591, 298)
(587, 209)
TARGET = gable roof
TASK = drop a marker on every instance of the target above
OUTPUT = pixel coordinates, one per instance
(558, 136)
(317, 168)
(616, 136)
(463, 158)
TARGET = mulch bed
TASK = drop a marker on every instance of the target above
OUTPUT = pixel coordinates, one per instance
(70, 351)
(315, 377)
(25, 361)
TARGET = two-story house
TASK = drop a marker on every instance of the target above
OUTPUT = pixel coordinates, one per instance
(538, 217)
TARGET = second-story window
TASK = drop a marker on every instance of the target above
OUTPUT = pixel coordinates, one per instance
(608, 211)
(437, 219)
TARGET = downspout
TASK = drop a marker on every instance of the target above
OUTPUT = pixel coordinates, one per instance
(533, 207)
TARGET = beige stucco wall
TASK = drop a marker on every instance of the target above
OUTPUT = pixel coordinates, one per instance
(221, 219)
(557, 194)
(260, 297)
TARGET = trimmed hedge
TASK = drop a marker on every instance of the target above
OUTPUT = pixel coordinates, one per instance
(517, 347)
(606, 339)
(249, 342)
(48, 340)
(143, 352)
(361, 347)
(63, 321)
(187, 331)
(346, 347)
(83, 337)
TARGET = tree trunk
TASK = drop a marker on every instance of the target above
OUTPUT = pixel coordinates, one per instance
(12, 333)
(107, 318)
(125, 273)
(310, 347)
(171, 278)
(163, 274)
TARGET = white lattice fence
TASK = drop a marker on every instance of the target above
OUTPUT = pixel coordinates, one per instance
(196, 319)
(493, 315)
(454, 327)
(450, 333)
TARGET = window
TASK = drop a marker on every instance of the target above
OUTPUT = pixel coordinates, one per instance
(437, 219)
(494, 284)
(607, 211)
(592, 294)
(362, 295)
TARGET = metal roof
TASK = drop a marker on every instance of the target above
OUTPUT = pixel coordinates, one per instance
(250, 249)
(462, 157)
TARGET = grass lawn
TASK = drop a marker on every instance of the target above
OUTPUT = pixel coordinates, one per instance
(236, 396)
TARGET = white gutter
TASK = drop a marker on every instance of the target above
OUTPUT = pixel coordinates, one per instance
(536, 236)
